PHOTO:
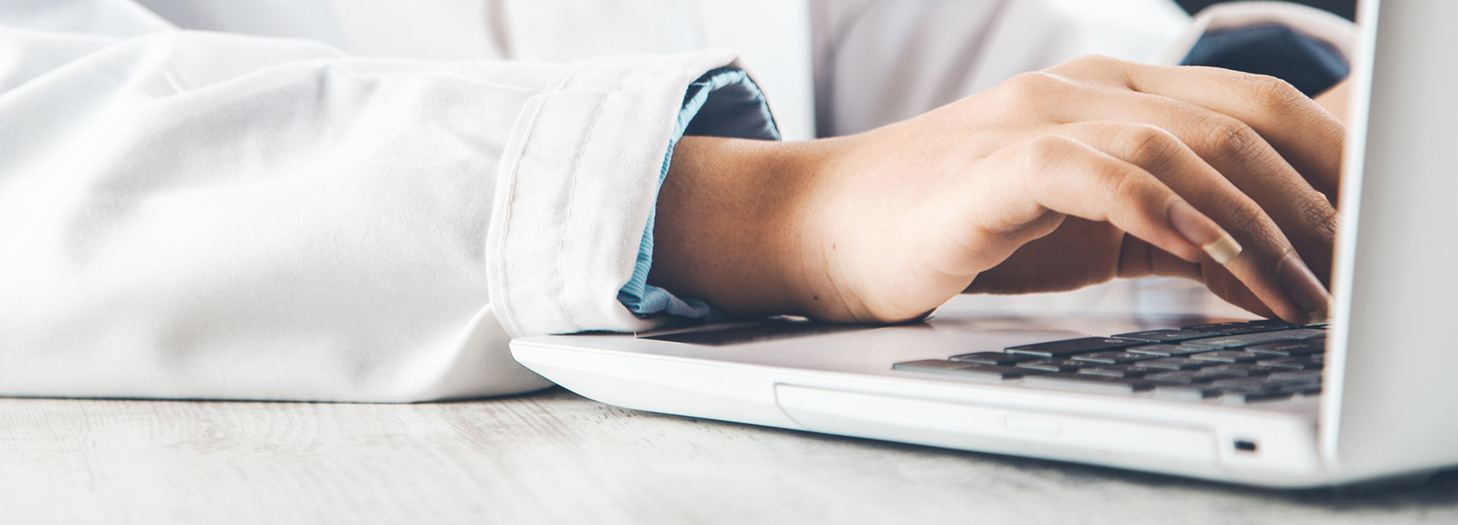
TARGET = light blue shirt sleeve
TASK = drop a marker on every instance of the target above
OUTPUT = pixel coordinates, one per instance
(721, 103)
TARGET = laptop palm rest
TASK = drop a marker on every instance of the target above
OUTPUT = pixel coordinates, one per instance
(1001, 430)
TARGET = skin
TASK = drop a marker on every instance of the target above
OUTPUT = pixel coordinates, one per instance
(1051, 181)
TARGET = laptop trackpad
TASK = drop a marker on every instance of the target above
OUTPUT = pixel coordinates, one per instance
(994, 429)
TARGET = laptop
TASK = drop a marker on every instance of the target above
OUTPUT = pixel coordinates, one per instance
(1181, 388)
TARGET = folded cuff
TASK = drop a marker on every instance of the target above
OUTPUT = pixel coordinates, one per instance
(727, 103)
(579, 179)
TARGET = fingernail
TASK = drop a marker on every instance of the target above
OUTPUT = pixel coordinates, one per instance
(1303, 288)
(1203, 232)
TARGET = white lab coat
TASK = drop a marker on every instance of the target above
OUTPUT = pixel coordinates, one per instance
(362, 201)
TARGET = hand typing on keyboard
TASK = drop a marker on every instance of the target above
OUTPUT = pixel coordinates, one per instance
(1088, 171)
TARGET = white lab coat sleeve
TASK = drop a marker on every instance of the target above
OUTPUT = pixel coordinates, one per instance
(200, 215)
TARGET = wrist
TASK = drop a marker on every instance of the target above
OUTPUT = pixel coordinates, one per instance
(728, 230)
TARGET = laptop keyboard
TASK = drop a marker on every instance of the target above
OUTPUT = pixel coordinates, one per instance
(1235, 363)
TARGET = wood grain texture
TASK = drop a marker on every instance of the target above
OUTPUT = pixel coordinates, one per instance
(554, 457)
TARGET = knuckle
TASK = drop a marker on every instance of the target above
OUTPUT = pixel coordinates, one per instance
(1252, 221)
(1024, 82)
(1230, 139)
(1036, 88)
(1097, 61)
(1043, 151)
(1095, 66)
(1148, 146)
(1120, 184)
(1272, 93)
(1323, 220)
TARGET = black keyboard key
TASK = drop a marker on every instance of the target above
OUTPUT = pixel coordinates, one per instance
(1231, 328)
(1114, 357)
(1175, 363)
(964, 370)
(1243, 340)
(1291, 348)
(1213, 327)
(1071, 347)
(993, 358)
(1298, 376)
(1251, 389)
(1246, 383)
(1130, 371)
(1242, 369)
(1161, 336)
(1183, 377)
(1240, 397)
(1272, 322)
(1294, 363)
(1202, 376)
(1185, 392)
(1166, 350)
(1051, 365)
(1216, 373)
(1089, 383)
(1303, 389)
(1228, 356)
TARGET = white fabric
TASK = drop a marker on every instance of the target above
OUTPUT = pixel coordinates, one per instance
(205, 215)
(883, 61)
(314, 212)
(772, 36)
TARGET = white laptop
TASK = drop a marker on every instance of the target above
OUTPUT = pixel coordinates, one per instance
(1368, 397)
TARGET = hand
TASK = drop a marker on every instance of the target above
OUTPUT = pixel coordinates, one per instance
(1053, 180)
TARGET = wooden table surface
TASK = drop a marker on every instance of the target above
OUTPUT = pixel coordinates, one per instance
(558, 458)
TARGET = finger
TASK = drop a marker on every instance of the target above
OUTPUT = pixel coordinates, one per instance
(1221, 282)
(1042, 265)
(1308, 136)
(1244, 157)
(1068, 177)
(1138, 259)
(1269, 267)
